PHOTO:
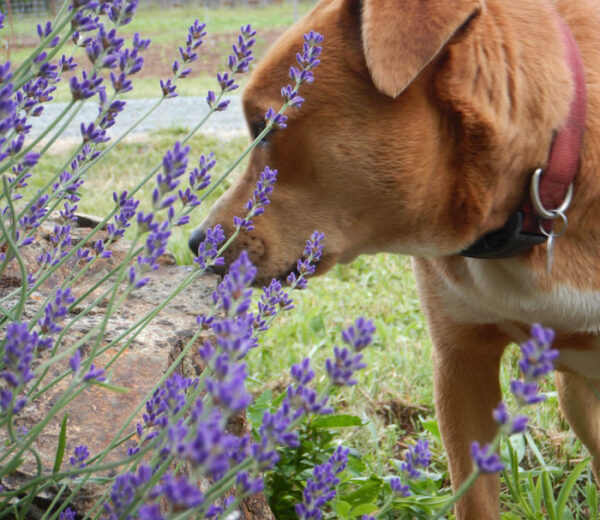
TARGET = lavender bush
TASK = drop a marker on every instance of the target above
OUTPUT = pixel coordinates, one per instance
(184, 420)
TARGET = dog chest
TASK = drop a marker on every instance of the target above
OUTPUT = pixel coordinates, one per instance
(484, 291)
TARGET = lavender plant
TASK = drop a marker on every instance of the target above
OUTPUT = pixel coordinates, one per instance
(185, 419)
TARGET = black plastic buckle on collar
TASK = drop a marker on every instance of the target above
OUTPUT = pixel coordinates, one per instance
(505, 242)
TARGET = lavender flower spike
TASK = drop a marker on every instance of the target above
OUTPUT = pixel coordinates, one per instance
(508, 424)
(321, 488)
(485, 460)
(359, 335)
(537, 354)
(307, 265)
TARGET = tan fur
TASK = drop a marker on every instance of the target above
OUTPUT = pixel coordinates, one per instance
(418, 136)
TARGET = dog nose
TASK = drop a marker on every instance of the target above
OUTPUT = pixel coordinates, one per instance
(196, 238)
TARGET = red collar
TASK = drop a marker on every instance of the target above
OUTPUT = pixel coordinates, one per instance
(526, 227)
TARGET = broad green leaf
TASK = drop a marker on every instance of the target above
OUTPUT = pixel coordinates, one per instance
(337, 421)
(343, 509)
(432, 426)
(363, 509)
(365, 494)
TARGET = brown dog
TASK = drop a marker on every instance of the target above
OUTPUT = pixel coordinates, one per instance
(419, 136)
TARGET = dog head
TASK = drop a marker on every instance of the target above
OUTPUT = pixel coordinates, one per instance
(416, 136)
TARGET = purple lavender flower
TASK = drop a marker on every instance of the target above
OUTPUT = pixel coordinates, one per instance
(108, 113)
(94, 374)
(211, 100)
(485, 460)
(130, 61)
(302, 372)
(307, 265)
(291, 97)
(248, 486)
(398, 488)
(211, 446)
(418, 456)
(19, 347)
(80, 454)
(272, 300)
(214, 511)
(75, 361)
(175, 163)
(227, 387)
(537, 354)
(122, 219)
(233, 293)
(179, 492)
(67, 514)
(275, 427)
(54, 312)
(61, 240)
(342, 368)
(208, 252)
(91, 133)
(167, 400)
(199, 177)
(526, 392)
(150, 512)
(66, 63)
(260, 198)
(168, 89)
(86, 88)
(124, 491)
(46, 30)
(35, 213)
(274, 120)
(360, 335)
(139, 43)
(121, 11)
(321, 488)
(234, 336)
(239, 61)
(509, 425)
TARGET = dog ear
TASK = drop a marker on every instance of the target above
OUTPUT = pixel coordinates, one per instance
(401, 37)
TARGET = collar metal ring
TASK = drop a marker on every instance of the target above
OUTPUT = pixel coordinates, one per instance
(537, 203)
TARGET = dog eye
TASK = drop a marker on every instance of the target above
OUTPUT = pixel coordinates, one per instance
(256, 127)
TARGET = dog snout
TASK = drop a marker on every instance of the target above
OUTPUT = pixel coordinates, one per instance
(196, 238)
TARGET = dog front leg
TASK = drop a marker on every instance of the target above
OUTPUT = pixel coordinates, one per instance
(581, 407)
(467, 389)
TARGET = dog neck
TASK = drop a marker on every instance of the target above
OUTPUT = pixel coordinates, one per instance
(551, 187)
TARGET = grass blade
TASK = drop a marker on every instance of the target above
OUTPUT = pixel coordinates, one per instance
(62, 442)
(568, 485)
(548, 495)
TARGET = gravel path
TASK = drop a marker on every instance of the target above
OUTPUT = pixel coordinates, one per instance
(182, 112)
